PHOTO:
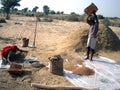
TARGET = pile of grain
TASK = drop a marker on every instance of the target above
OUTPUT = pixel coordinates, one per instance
(83, 70)
(106, 40)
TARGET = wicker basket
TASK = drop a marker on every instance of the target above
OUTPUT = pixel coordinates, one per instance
(90, 9)
(56, 65)
(16, 69)
(25, 42)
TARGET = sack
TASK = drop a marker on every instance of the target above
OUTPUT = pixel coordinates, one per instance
(5, 51)
(56, 65)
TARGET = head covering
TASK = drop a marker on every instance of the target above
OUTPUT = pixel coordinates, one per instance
(14, 47)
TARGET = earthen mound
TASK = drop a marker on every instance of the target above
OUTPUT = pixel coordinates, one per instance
(106, 40)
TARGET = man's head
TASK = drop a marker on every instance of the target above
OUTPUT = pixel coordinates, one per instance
(14, 48)
(91, 20)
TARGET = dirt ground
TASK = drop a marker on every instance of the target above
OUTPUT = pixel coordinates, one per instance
(49, 42)
(48, 37)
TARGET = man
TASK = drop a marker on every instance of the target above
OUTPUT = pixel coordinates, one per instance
(92, 20)
(8, 54)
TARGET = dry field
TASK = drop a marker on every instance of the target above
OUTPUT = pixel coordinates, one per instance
(116, 30)
(50, 40)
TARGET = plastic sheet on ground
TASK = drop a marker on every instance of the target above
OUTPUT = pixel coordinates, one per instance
(3, 66)
(106, 77)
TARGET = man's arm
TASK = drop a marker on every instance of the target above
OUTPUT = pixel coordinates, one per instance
(97, 24)
(22, 50)
(8, 56)
(97, 21)
(87, 20)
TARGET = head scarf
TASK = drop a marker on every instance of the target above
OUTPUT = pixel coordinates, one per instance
(14, 47)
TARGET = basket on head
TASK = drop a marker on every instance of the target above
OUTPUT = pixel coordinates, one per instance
(90, 9)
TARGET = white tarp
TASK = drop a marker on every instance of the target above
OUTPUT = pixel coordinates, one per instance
(3, 66)
(27, 61)
(107, 75)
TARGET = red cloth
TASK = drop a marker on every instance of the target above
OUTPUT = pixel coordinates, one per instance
(5, 50)
(14, 47)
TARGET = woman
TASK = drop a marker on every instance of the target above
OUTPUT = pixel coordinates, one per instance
(92, 20)
(8, 54)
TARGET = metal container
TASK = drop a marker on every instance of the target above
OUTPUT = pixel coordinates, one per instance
(90, 9)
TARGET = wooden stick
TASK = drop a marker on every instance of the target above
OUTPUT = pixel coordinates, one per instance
(35, 32)
(40, 86)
